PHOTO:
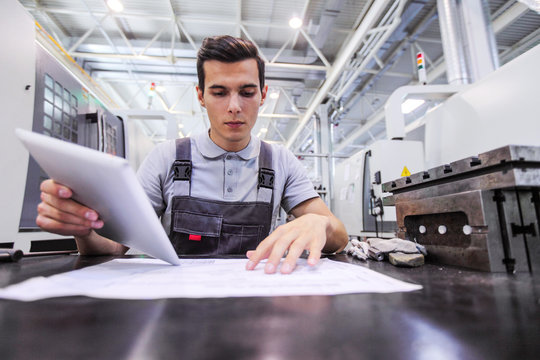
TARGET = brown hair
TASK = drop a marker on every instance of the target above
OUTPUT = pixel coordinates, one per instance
(227, 49)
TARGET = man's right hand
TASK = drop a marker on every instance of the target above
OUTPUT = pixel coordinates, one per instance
(59, 214)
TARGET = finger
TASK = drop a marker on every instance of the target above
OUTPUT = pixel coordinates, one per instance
(255, 256)
(70, 206)
(251, 253)
(279, 248)
(263, 249)
(48, 211)
(57, 227)
(295, 250)
(314, 254)
(51, 187)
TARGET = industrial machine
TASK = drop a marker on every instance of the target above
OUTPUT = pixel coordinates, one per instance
(480, 212)
(358, 183)
(41, 95)
(478, 204)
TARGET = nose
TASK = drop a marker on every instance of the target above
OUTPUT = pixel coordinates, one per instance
(234, 104)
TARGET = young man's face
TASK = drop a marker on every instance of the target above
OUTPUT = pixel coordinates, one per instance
(232, 98)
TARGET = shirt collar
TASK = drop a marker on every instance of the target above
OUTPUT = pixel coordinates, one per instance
(209, 149)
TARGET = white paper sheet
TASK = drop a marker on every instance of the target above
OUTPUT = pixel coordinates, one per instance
(203, 278)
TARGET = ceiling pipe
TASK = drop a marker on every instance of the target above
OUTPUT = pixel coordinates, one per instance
(349, 49)
(392, 58)
(453, 42)
(391, 22)
(508, 17)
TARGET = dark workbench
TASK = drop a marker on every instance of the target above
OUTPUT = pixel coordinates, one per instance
(459, 314)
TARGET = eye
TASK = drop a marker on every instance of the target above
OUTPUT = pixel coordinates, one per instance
(218, 93)
(248, 93)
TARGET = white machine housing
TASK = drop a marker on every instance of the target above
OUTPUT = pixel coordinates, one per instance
(17, 103)
(498, 110)
(382, 161)
(24, 66)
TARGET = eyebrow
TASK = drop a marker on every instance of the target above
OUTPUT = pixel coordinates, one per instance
(245, 86)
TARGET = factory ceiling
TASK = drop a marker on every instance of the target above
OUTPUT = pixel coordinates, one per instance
(348, 54)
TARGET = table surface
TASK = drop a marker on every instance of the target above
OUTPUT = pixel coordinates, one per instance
(459, 314)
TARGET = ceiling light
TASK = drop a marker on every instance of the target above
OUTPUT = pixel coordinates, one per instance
(410, 105)
(115, 5)
(295, 22)
(264, 130)
(160, 89)
(274, 95)
(180, 126)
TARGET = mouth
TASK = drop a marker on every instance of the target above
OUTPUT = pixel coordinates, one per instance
(234, 124)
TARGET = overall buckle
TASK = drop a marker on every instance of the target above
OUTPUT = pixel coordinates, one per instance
(182, 170)
(266, 178)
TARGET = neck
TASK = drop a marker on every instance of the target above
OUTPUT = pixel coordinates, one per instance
(230, 146)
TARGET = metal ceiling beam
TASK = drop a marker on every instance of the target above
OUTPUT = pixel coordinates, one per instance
(182, 19)
(315, 48)
(53, 25)
(392, 58)
(188, 61)
(238, 17)
(346, 53)
(518, 47)
(509, 16)
(180, 27)
(498, 25)
(302, 16)
(85, 35)
(158, 34)
(382, 35)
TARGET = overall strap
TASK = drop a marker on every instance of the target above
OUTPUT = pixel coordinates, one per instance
(265, 187)
(181, 168)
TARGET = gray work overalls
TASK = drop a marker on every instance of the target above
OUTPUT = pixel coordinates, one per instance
(213, 227)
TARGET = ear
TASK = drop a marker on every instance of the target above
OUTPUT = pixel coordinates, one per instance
(200, 96)
(263, 94)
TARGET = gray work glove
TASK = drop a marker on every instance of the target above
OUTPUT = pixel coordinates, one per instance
(392, 245)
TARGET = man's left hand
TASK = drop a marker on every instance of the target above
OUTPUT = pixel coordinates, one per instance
(307, 232)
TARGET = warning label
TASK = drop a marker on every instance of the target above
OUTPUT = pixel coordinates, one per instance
(405, 172)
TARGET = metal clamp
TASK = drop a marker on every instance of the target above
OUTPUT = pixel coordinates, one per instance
(182, 170)
(266, 178)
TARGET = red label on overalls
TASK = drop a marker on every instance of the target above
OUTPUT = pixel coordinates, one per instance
(194, 237)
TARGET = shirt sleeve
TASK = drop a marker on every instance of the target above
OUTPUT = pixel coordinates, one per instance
(298, 188)
(153, 173)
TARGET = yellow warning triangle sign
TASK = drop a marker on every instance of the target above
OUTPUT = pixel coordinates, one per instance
(405, 172)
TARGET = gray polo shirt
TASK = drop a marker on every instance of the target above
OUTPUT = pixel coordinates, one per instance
(225, 176)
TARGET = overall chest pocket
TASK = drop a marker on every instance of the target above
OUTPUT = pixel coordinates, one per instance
(205, 234)
(237, 239)
(196, 234)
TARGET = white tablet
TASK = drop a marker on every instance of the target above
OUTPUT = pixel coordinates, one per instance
(107, 184)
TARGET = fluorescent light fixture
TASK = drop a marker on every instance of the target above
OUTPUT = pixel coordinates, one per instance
(295, 22)
(410, 105)
(115, 5)
(274, 95)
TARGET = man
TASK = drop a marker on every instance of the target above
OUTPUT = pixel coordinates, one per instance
(219, 192)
